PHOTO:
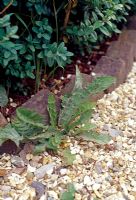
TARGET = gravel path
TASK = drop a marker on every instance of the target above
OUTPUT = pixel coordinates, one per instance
(99, 172)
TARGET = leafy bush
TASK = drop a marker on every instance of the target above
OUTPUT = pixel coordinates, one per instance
(100, 21)
(34, 33)
(20, 58)
(134, 7)
(72, 120)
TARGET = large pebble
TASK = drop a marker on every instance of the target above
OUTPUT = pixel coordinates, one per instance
(39, 188)
(46, 169)
(17, 161)
(88, 181)
(114, 132)
(5, 188)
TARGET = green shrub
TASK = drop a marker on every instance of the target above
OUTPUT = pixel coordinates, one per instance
(100, 20)
(20, 57)
(34, 33)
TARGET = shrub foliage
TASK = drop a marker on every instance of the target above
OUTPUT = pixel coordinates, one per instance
(37, 34)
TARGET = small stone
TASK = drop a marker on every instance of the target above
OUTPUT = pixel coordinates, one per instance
(78, 196)
(133, 183)
(5, 188)
(29, 156)
(93, 74)
(89, 62)
(98, 194)
(130, 122)
(96, 186)
(24, 196)
(3, 172)
(10, 100)
(106, 127)
(62, 78)
(78, 61)
(43, 197)
(78, 186)
(30, 168)
(46, 169)
(98, 168)
(110, 164)
(30, 176)
(69, 76)
(46, 160)
(14, 105)
(88, 181)
(114, 132)
(53, 194)
(17, 161)
(39, 188)
(16, 179)
(19, 170)
(114, 96)
(63, 171)
(66, 179)
(78, 160)
(88, 154)
(121, 162)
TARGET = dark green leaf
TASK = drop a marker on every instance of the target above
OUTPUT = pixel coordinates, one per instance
(69, 194)
(52, 110)
(68, 157)
(9, 133)
(30, 117)
(95, 137)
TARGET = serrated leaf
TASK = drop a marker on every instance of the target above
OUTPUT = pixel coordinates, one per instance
(69, 194)
(3, 97)
(100, 84)
(25, 129)
(85, 128)
(9, 133)
(30, 117)
(95, 137)
(52, 110)
(68, 157)
(79, 96)
(82, 114)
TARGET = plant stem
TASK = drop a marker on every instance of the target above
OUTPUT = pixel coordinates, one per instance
(38, 75)
(56, 21)
(51, 73)
(44, 66)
